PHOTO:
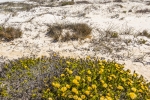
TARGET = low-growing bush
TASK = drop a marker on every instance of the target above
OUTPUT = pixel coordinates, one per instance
(16, 6)
(9, 33)
(83, 2)
(144, 33)
(59, 78)
(61, 32)
(143, 11)
(117, 0)
(64, 3)
(111, 34)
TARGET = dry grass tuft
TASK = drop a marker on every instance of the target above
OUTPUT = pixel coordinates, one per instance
(61, 32)
(64, 3)
(83, 2)
(143, 11)
(144, 33)
(9, 33)
(117, 0)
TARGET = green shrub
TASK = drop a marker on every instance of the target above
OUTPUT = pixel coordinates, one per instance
(9, 33)
(58, 78)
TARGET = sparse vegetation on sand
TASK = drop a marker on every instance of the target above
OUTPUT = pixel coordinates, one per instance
(61, 32)
(58, 78)
(9, 33)
(64, 3)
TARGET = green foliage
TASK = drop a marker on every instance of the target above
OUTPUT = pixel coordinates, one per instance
(58, 78)
(9, 33)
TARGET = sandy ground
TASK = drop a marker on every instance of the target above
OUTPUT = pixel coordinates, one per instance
(118, 17)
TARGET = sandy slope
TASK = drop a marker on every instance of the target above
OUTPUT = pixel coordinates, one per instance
(100, 16)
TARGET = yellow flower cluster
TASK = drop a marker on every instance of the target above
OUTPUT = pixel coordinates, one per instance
(132, 95)
(75, 81)
(69, 71)
(74, 90)
(120, 87)
(99, 81)
(105, 98)
(57, 85)
(63, 89)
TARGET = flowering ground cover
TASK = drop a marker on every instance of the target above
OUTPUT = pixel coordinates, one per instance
(59, 78)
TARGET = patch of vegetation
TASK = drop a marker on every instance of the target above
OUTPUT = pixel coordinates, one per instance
(9, 33)
(111, 34)
(142, 41)
(144, 33)
(13, 7)
(58, 78)
(143, 11)
(61, 32)
(83, 2)
(42, 1)
(117, 0)
(64, 3)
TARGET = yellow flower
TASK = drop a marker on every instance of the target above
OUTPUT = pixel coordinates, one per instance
(77, 78)
(100, 63)
(113, 76)
(79, 98)
(88, 57)
(120, 87)
(63, 89)
(26, 67)
(67, 69)
(135, 74)
(94, 86)
(102, 98)
(87, 92)
(50, 99)
(108, 98)
(101, 71)
(140, 91)
(89, 88)
(83, 96)
(57, 85)
(74, 90)
(104, 85)
(68, 86)
(133, 89)
(75, 97)
(102, 67)
(123, 79)
(116, 65)
(132, 95)
(70, 96)
(89, 79)
(109, 78)
(67, 62)
(63, 95)
(102, 81)
(70, 72)
(89, 72)
(75, 81)
(62, 75)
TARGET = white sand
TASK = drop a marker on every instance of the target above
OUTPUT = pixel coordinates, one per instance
(99, 16)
